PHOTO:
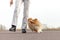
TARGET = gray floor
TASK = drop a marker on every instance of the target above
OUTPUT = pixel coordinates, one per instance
(45, 35)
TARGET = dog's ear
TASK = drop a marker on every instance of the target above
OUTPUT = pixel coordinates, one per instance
(35, 19)
(29, 19)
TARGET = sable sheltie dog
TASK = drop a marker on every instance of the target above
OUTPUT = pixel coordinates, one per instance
(35, 25)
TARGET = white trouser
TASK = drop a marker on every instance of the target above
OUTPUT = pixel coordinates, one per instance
(17, 11)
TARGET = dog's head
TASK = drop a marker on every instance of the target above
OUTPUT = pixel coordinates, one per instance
(33, 21)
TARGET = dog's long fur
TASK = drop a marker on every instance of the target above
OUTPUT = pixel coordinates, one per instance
(35, 25)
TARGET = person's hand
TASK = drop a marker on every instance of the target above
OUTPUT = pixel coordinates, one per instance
(11, 2)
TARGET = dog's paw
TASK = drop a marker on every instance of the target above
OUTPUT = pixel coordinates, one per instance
(39, 31)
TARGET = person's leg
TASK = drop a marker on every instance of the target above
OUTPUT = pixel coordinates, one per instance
(25, 16)
(15, 15)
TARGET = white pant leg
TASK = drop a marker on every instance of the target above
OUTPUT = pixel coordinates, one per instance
(25, 14)
(16, 11)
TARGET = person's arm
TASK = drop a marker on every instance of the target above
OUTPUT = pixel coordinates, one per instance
(11, 2)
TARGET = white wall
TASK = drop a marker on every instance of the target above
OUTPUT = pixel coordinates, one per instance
(47, 11)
